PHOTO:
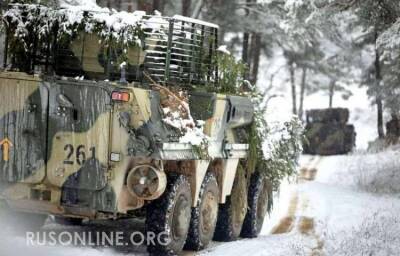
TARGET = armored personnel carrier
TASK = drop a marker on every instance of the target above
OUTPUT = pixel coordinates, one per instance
(327, 132)
(101, 121)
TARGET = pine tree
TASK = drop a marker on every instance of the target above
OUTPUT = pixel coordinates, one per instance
(375, 16)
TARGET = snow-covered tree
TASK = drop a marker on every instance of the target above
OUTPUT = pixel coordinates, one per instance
(375, 17)
(374, 25)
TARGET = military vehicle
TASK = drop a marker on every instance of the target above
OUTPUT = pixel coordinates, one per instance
(327, 132)
(84, 137)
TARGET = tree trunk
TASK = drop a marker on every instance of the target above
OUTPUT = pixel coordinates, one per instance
(378, 79)
(221, 36)
(197, 9)
(157, 5)
(246, 47)
(186, 6)
(379, 105)
(256, 57)
(332, 86)
(145, 5)
(302, 92)
(245, 51)
(292, 72)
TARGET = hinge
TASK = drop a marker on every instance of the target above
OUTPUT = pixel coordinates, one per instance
(109, 107)
(109, 174)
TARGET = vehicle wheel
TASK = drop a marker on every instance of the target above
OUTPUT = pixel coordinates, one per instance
(204, 215)
(231, 214)
(258, 201)
(168, 217)
(68, 221)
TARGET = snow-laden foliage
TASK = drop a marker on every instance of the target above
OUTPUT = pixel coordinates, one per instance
(121, 27)
(389, 41)
(377, 235)
(28, 19)
(274, 147)
(191, 130)
(121, 30)
(231, 73)
(320, 54)
(377, 172)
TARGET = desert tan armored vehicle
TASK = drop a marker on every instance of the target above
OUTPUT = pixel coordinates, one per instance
(328, 133)
(87, 136)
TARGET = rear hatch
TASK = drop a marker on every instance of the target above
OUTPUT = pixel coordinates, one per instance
(23, 128)
(59, 130)
(78, 135)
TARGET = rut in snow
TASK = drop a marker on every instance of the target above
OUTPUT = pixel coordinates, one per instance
(298, 204)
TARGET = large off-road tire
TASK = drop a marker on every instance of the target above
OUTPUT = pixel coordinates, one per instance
(67, 221)
(168, 217)
(231, 214)
(204, 215)
(258, 205)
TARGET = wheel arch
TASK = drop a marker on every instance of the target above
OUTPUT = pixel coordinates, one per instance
(194, 170)
(225, 170)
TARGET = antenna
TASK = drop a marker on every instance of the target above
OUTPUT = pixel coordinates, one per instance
(123, 73)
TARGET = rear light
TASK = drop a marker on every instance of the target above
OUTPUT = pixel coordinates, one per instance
(120, 96)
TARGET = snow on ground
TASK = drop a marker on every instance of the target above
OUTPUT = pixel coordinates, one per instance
(352, 221)
(333, 215)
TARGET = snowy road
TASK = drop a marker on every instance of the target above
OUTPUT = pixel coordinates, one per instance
(320, 213)
(324, 213)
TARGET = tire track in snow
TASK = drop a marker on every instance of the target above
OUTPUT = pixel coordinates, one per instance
(286, 224)
(298, 205)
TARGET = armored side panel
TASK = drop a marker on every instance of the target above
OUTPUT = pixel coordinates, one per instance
(23, 128)
(202, 105)
(241, 111)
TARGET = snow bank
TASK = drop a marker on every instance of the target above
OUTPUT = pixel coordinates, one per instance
(371, 172)
(353, 223)
(377, 235)
(349, 220)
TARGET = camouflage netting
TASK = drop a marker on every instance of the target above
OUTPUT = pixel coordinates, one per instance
(275, 147)
(327, 132)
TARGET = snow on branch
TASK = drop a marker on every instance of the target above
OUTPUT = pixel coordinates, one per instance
(121, 27)
(390, 40)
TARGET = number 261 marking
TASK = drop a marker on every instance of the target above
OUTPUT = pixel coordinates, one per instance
(80, 154)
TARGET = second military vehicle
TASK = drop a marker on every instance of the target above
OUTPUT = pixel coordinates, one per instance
(327, 132)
